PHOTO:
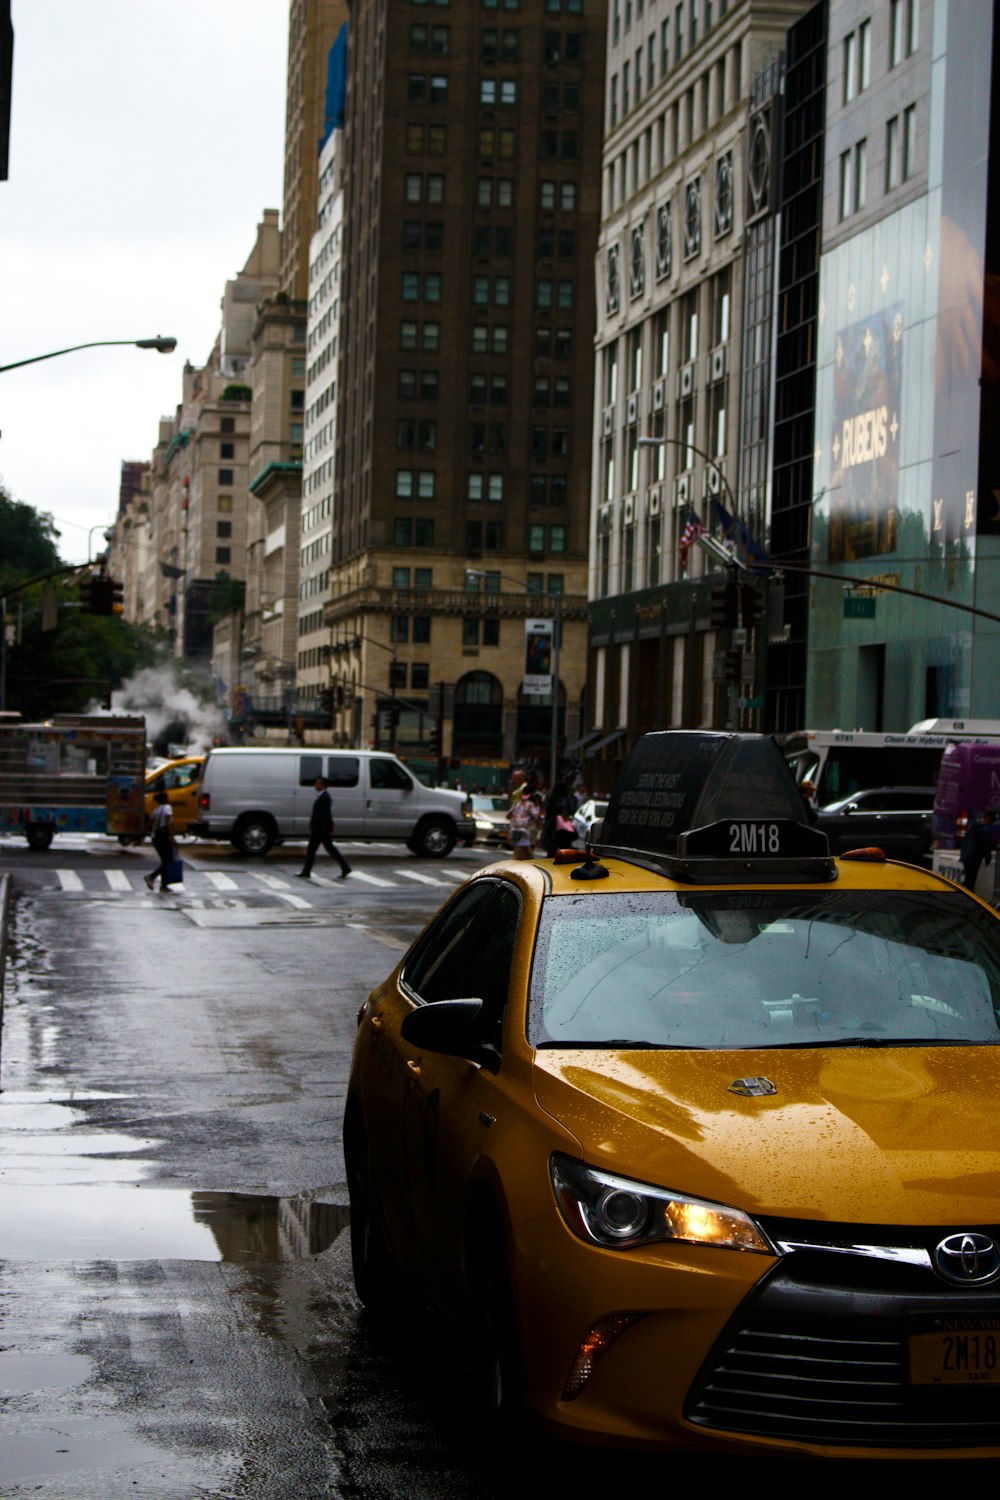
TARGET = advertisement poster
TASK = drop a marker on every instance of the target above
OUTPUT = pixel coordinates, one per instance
(865, 441)
(537, 658)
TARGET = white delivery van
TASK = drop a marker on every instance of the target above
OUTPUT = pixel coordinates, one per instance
(256, 798)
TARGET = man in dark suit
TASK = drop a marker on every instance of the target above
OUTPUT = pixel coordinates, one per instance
(321, 832)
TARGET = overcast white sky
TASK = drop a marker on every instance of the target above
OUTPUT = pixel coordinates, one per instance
(147, 136)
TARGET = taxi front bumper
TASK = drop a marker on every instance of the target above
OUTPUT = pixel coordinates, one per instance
(735, 1352)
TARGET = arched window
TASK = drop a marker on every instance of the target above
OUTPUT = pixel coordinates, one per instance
(478, 722)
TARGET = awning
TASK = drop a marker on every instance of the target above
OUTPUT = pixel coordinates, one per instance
(584, 740)
(607, 740)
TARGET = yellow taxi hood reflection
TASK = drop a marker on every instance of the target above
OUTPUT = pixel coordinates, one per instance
(882, 1135)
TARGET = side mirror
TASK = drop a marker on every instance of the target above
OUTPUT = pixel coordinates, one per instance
(451, 1027)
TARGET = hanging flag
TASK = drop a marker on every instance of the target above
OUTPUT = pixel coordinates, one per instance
(735, 529)
(693, 529)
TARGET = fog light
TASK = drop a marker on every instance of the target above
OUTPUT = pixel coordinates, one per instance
(593, 1348)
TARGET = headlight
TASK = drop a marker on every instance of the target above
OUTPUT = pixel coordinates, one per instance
(618, 1214)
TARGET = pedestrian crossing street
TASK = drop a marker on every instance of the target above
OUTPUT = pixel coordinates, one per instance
(200, 883)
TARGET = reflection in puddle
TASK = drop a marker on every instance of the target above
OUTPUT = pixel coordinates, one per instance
(97, 1222)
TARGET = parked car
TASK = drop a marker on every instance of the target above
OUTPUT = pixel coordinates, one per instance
(696, 1139)
(896, 819)
(256, 798)
(587, 814)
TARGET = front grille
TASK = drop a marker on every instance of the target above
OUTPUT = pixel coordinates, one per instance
(815, 1357)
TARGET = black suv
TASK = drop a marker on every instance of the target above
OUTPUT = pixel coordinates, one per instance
(895, 818)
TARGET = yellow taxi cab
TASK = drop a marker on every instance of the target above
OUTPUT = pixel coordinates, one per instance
(180, 780)
(696, 1136)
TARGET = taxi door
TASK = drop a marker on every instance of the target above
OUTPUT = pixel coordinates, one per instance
(450, 1104)
(180, 780)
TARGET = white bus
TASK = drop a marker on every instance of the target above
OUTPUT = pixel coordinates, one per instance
(833, 763)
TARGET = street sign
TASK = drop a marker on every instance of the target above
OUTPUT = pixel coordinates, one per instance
(859, 606)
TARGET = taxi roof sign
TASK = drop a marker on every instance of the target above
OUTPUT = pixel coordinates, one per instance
(701, 805)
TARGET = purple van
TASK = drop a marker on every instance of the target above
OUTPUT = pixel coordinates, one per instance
(968, 785)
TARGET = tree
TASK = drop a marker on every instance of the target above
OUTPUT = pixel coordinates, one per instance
(66, 669)
(27, 541)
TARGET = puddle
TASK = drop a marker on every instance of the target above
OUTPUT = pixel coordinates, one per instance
(98, 1222)
(71, 1193)
(46, 1136)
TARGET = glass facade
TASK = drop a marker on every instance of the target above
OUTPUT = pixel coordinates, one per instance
(901, 496)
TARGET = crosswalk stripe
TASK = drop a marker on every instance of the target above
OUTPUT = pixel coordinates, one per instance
(371, 879)
(458, 876)
(118, 880)
(221, 882)
(421, 879)
(291, 900)
(273, 882)
(70, 880)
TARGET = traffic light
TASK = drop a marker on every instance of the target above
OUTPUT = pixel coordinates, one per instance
(325, 701)
(434, 740)
(101, 596)
(734, 665)
(725, 605)
(751, 606)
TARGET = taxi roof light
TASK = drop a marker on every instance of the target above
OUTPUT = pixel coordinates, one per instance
(704, 807)
(872, 853)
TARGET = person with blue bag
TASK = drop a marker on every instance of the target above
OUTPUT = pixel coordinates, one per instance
(168, 870)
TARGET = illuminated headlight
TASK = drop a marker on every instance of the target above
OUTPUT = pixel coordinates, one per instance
(618, 1214)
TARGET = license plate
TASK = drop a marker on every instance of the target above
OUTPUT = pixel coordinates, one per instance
(955, 1350)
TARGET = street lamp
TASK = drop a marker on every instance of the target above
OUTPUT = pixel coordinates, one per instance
(556, 598)
(163, 345)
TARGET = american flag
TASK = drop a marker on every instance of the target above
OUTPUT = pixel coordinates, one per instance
(693, 529)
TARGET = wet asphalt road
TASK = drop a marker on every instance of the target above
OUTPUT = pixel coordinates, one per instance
(176, 1311)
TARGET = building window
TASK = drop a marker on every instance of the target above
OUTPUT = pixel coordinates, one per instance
(420, 674)
(426, 484)
(909, 141)
(225, 477)
(904, 23)
(411, 286)
(401, 578)
(435, 187)
(413, 188)
(421, 627)
(432, 337)
(864, 55)
(406, 384)
(470, 631)
(860, 174)
(222, 554)
(846, 184)
(223, 529)
(557, 539)
(399, 629)
(893, 154)
(536, 539)
(404, 484)
(225, 505)
(402, 532)
(423, 578)
(423, 534)
(850, 66)
(227, 450)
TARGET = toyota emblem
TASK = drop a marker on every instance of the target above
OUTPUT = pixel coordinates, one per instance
(967, 1259)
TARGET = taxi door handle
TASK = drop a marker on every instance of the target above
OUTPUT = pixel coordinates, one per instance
(414, 1067)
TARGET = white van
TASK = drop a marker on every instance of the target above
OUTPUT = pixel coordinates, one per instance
(256, 798)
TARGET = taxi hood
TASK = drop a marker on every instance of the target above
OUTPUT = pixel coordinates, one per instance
(879, 1136)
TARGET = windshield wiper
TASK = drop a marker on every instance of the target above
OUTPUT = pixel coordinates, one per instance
(874, 1041)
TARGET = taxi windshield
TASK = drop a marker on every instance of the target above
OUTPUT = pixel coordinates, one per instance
(765, 969)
